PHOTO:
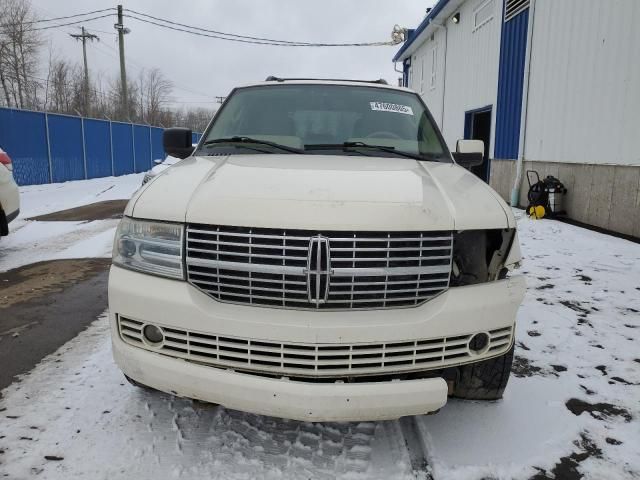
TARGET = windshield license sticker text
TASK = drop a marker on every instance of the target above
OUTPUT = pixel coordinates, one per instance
(391, 107)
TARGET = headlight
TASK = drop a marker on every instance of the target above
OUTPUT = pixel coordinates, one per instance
(149, 247)
(481, 256)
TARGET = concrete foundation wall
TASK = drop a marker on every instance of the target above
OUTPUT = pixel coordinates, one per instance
(605, 196)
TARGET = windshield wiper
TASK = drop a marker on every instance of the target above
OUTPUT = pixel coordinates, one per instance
(354, 145)
(254, 141)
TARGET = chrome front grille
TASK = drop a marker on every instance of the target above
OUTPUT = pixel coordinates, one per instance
(318, 270)
(316, 360)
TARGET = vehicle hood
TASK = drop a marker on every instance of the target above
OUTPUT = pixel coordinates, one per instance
(322, 192)
(166, 163)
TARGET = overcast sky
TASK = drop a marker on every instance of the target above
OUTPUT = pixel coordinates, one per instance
(201, 68)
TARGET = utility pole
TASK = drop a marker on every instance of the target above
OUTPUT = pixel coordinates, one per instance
(122, 31)
(83, 37)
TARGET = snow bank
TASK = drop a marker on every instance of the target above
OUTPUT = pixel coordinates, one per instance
(34, 241)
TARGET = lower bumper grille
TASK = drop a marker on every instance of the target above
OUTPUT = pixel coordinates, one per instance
(316, 360)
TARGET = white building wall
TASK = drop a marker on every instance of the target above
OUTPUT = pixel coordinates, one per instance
(471, 68)
(584, 88)
(431, 92)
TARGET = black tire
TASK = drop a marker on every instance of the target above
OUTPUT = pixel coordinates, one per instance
(484, 380)
(137, 384)
(4, 225)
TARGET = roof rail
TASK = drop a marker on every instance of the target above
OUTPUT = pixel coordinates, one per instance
(272, 78)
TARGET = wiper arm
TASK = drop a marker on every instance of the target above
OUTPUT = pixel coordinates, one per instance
(256, 141)
(354, 145)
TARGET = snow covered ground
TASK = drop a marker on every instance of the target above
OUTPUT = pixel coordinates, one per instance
(34, 241)
(572, 407)
(575, 385)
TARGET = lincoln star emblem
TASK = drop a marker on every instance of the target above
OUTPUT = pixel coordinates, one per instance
(318, 270)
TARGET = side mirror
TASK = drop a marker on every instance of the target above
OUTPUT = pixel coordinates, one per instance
(177, 142)
(469, 153)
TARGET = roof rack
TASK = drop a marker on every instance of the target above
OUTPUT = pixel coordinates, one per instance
(272, 78)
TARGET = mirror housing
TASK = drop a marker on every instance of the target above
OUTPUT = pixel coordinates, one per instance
(177, 142)
(469, 153)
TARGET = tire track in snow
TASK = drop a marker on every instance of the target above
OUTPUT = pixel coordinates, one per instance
(415, 446)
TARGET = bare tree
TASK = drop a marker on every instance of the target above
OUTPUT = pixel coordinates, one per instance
(3, 78)
(63, 90)
(153, 95)
(63, 86)
(196, 119)
(19, 53)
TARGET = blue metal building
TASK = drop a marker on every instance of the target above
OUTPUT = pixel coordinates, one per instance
(549, 85)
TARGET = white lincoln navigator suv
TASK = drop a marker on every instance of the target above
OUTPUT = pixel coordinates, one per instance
(319, 255)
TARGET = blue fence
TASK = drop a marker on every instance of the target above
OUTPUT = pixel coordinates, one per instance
(49, 148)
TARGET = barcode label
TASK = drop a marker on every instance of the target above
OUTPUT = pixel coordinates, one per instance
(391, 107)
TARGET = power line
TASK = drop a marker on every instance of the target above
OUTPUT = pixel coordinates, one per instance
(250, 40)
(217, 32)
(71, 23)
(193, 30)
(137, 65)
(177, 29)
(57, 18)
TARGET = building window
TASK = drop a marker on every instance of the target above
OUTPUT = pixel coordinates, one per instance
(483, 14)
(434, 66)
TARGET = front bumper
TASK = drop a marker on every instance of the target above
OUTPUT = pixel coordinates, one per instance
(280, 397)
(145, 298)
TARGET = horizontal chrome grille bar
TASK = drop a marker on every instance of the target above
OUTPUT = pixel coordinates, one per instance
(387, 259)
(392, 239)
(391, 249)
(246, 267)
(245, 235)
(246, 245)
(248, 255)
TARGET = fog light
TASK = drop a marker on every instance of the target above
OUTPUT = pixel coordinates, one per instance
(153, 334)
(479, 342)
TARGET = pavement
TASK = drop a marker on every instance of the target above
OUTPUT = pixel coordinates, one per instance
(43, 306)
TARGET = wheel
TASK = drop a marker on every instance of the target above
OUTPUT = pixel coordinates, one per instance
(485, 380)
(137, 384)
(4, 225)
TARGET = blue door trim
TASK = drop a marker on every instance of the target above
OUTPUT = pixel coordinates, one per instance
(468, 119)
(468, 134)
(513, 50)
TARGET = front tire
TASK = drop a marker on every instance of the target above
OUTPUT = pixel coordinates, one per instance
(485, 380)
(137, 384)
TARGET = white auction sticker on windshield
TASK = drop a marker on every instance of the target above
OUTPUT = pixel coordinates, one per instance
(391, 107)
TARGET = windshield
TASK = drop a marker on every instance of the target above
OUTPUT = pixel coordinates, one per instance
(327, 119)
